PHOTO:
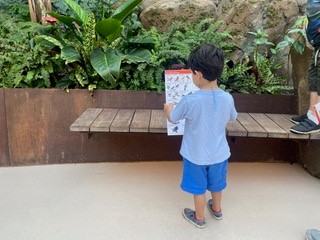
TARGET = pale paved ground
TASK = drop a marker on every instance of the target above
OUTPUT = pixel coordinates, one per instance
(137, 201)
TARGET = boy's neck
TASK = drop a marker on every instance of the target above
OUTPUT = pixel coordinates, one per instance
(209, 86)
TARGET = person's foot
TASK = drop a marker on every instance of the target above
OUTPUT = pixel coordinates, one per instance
(299, 119)
(313, 234)
(190, 215)
(216, 215)
(305, 127)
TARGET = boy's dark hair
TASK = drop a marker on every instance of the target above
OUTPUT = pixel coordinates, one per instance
(207, 59)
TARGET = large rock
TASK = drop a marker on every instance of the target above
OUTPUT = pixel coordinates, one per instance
(240, 16)
(243, 16)
(161, 13)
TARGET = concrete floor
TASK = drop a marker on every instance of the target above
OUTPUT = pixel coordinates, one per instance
(137, 201)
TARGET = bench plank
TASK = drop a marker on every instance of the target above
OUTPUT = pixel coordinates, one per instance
(253, 128)
(83, 122)
(103, 122)
(158, 122)
(122, 121)
(235, 129)
(272, 128)
(141, 120)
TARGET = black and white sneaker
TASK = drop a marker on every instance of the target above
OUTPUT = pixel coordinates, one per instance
(299, 119)
(305, 127)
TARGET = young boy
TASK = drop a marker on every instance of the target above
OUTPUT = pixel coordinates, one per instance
(204, 148)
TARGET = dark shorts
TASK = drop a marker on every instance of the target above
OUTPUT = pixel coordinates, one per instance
(196, 179)
(314, 73)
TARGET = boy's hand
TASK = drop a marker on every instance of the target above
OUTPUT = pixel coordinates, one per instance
(167, 108)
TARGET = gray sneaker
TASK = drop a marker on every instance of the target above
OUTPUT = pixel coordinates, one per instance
(313, 234)
(190, 216)
(216, 215)
(305, 127)
(299, 119)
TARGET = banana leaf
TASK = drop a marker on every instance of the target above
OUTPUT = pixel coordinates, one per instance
(106, 64)
(137, 56)
(66, 20)
(108, 27)
(82, 15)
(125, 9)
(146, 42)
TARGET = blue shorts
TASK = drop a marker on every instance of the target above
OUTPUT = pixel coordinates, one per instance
(196, 179)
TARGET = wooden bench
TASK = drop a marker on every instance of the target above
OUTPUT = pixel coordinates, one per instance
(259, 125)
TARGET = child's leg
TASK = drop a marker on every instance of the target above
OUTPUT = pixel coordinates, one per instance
(200, 203)
(216, 198)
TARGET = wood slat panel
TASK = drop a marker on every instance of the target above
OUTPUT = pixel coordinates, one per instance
(103, 122)
(83, 122)
(290, 124)
(122, 121)
(253, 128)
(272, 128)
(141, 120)
(158, 122)
(235, 129)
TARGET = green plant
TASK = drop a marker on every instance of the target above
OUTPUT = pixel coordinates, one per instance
(23, 64)
(169, 50)
(16, 8)
(236, 78)
(180, 39)
(92, 54)
(261, 77)
(294, 38)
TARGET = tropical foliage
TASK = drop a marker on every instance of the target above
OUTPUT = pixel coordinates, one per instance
(95, 46)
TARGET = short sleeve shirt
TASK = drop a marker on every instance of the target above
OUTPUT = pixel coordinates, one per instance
(206, 115)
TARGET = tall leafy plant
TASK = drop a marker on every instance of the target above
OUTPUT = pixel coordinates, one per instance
(92, 53)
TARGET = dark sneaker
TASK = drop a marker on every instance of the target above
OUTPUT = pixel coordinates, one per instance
(216, 215)
(305, 127)
(190, 216)
(299, 119)
(313, 234)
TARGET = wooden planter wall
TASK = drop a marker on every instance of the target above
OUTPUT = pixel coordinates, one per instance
(35, 129)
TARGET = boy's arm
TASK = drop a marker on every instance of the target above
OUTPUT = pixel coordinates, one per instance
(167, 108)
(234, 113)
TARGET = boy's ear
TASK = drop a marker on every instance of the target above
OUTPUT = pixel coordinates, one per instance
(198, 74)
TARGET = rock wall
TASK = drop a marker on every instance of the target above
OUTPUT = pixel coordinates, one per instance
(161, 13)
(240, 16)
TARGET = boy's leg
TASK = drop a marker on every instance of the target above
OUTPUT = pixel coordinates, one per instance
(216, 198)
(200, 203)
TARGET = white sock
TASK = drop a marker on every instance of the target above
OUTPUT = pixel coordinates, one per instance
(309, 113)
(312, 117)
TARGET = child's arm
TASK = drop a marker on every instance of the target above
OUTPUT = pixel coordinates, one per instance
(167, 108)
